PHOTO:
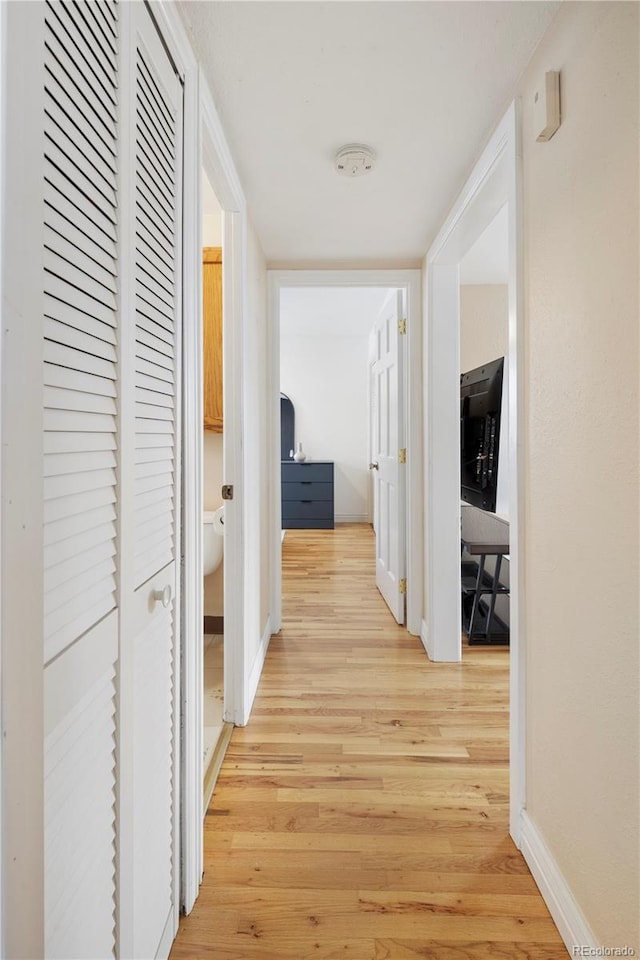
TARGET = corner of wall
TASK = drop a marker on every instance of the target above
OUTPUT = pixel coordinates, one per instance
(256, 671)
(563, 907)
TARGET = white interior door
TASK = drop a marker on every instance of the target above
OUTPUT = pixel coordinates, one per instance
(372, 402)
(387, 460)
(150, 500)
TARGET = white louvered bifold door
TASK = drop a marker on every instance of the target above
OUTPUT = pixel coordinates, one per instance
(80, 476)
(151, 491)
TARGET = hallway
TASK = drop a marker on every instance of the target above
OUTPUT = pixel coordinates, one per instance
(363, 812)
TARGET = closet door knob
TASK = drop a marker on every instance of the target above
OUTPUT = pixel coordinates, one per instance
(373, 466)
(163, 596)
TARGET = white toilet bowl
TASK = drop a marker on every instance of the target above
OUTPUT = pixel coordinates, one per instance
(213, 540)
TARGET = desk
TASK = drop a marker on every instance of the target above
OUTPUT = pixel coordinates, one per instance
(482, 535)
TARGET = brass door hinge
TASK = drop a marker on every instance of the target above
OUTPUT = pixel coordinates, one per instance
(403, 585)
(402, 326)
(402, 455)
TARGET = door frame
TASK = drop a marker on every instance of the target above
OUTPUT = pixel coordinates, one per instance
(411, 282)
(206, 148)
(496, 180)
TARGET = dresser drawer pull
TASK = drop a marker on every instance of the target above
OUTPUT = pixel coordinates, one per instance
(306, 483)
(306, 501)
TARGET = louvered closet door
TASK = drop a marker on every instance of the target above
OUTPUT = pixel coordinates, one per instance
(150, 624)
(80, 483)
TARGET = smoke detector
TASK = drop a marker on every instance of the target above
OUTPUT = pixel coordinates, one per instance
(354, 160)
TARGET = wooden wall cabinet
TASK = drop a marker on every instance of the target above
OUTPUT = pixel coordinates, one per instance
(212, 337)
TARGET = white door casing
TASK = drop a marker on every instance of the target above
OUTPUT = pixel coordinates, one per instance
(205, 145)
(386, 466)
(495, 180)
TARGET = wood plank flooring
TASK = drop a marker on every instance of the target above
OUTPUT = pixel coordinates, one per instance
(363, 812)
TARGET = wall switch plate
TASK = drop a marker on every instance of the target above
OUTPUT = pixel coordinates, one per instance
(546, 107)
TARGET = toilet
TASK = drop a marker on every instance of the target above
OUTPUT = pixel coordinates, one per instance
(213, 540)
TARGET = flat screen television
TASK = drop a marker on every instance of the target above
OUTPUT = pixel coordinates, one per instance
(480, 404)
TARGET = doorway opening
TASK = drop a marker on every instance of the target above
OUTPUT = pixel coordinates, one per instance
(480, 239)
(325, 326)
(215, 732)
(484, 432)
(222, 200)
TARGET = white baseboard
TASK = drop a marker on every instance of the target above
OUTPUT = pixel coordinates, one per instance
(256, 669)
(168, 936)
(351, 518)
(424, 636)
(556, 893)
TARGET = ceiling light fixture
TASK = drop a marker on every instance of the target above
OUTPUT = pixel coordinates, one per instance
(354, 160)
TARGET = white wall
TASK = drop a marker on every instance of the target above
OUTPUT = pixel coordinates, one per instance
(484, 323)
(326, 379)
(258, 298)
(211, 216)
(581, 261)
(211, 230)
(255, 393)
(484, 336)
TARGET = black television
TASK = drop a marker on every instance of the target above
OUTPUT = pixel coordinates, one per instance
(480, 405)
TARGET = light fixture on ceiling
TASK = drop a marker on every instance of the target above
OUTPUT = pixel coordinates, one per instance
(354, 160)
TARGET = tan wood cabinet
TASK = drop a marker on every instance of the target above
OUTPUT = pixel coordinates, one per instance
(212, 337)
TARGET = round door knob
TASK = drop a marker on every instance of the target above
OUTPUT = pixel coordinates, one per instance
(373, 466)
(163, 596)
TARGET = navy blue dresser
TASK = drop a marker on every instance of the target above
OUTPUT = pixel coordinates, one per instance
(307, 495)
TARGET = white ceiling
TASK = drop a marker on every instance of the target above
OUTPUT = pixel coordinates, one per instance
(329, 311)
(422, 82)
(487, 261)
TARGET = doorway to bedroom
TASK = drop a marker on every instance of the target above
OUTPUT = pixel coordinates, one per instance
(342, 410)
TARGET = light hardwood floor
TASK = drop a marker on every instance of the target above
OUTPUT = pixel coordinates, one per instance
(213, 700)
(363, 812)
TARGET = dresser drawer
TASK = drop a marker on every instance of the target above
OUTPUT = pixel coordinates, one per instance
(308, 524)
(307, 510)
(307, 490)
(298, 472)
(307, 495)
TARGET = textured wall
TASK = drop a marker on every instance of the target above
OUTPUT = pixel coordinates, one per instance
(484, 323)
(581, 257)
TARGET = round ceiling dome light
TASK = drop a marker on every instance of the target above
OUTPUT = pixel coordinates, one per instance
(354, 160)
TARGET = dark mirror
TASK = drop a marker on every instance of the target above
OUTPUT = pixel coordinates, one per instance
(287, 427)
